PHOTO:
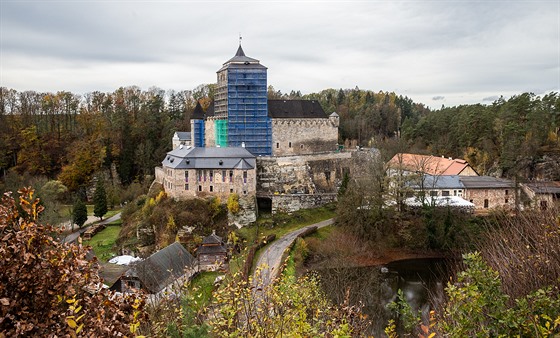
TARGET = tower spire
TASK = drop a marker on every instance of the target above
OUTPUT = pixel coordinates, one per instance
(240, 38)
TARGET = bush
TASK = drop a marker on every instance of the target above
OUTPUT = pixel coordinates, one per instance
(48, 288)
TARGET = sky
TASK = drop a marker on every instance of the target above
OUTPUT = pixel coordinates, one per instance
(437, 53)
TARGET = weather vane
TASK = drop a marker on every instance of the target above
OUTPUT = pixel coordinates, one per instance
(240, 38)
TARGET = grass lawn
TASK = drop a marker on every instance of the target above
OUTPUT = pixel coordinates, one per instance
(203, 285)
(282, 224)
(103, 243)
(107, 215)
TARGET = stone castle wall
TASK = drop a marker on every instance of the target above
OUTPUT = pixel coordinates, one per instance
(303, 136)
(497, 198)
(305, 181)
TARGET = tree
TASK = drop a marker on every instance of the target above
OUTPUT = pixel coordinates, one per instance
(48, 288)
(79, 215)
(99, 200)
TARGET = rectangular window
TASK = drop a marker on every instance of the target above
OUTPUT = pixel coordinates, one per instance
(231, 191)
(245, 176)
(186, 175)
(223, 175)
(211, 175)
(289, 144)
(445, 193)
(277, 145)
(199, 175)
(486, 203)
(199, 188)
(205, 175)
(433, 193)
(187, 186)
(231, 176)
(507, 192)
(506, 201)
(211, 188)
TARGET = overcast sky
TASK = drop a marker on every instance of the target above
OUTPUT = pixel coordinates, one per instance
(435, 52)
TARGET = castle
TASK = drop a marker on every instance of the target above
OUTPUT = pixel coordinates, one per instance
(282, 154)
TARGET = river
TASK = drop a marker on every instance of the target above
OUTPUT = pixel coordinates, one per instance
(422, 281)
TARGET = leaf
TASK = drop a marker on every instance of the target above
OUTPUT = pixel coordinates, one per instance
(5, 301)
(79, 328)
(71, 323)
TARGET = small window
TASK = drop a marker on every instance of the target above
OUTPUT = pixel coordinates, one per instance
(433, 193)
(244, 192)
(186, 176)
(245, 176)
(471, 201)
(223, 175)
(231, 191)
(507, 192)
(187, 186)
(328, 176)
(211, 175)
(445, 193)
(301, 146)
(199, 188)
(506, 201)
(231, 175)
(289, 144)
(544, 205)
(211, 188)
(277, 145)
(486, 203)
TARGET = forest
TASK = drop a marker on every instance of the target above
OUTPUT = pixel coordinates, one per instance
(126, 133)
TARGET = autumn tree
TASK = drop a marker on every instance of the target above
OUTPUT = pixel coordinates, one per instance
(48, 288)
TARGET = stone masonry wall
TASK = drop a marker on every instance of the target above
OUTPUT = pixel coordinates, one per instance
(304, 181)
(497, 198)
(303, 136)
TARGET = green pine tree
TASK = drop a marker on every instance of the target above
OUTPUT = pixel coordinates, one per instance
(99, 200)
(79, 216)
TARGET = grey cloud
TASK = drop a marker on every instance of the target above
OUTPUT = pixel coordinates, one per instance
(438, 98)
(490, 98)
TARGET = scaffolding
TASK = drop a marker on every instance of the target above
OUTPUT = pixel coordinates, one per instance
(198, 133)
(248, 122)
(221, 133)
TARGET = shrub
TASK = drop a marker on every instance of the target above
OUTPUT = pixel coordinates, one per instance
(48, 288)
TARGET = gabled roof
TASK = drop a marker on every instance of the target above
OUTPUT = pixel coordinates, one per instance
(544, 187)
(295, 109)
(438, 182)
(486, 182)
(211, 250)
(162, 267)
(212, 239)
(428, 164)
(182, 135)
(210, 158)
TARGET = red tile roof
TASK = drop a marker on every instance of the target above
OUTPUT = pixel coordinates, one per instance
(429, 164)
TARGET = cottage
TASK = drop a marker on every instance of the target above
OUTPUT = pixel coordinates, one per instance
(213, 253)
(158, 271)
(542, 194)
(489, 192)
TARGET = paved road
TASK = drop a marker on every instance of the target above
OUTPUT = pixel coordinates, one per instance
(270, 259)
(74, 236)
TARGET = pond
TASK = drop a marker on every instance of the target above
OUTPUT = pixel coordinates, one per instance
(421, 280)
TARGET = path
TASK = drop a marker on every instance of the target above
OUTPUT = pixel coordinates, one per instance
(74, 236)
(270, 259)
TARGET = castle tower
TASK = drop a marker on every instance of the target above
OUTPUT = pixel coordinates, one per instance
(241, 105)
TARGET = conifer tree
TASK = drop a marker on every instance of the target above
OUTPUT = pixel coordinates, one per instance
(79, 216)
(99, 200)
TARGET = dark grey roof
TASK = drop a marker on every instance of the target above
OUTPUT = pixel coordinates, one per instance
(439, 182)
(212, 239)
(163, 267)
(112, 272)
(209, 158)
(295, 109)
(211, 249)
(183, 135)
(240, 60)
(198, 112)
(544, 187)
(485, 182)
